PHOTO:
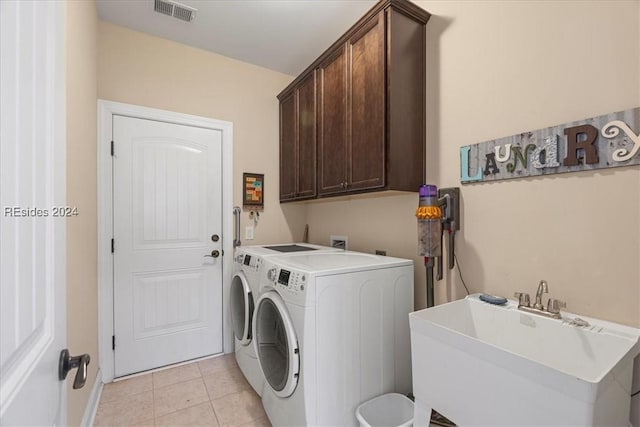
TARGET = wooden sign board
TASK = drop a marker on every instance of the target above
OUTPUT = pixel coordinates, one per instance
(253, 191)
(608, 141)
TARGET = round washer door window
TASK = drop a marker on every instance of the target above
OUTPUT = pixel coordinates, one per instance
(277, 344)
(241, 307)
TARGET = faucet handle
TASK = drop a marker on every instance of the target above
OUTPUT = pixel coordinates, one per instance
(543, 287)
(554, 305)
(523, 299)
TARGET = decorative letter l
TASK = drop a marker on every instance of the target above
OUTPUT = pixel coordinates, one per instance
(464, 166)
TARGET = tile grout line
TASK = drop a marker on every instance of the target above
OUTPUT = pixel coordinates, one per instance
(176, 383)
(127, 396)
(208, 394)
(227, 394)
(153, 391)
(223, 369)
(119, 401)
(215, 415)
(186, 407)
(179, 381)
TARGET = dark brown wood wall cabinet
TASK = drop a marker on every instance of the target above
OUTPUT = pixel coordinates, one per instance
(332, 122)
(298, 141)
(366, 107)
(368, 112)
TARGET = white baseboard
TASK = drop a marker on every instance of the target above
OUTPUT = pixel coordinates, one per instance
(94, 400)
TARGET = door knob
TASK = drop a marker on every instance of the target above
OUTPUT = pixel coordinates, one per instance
(68, 362)
(214, 254)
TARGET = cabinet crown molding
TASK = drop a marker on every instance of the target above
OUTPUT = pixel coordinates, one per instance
(404, 6)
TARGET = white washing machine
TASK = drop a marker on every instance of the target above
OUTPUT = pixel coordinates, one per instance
(331, 331)
(244, 293)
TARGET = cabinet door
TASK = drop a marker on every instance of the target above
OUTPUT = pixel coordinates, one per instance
(332, 130)
(287, 147)
(306, 149)
(366, 106)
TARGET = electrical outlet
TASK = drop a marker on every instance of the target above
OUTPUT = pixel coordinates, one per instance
(248, 233)
(381, 252)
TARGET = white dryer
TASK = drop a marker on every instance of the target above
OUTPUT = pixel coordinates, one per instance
(332, 331)
(244, 293)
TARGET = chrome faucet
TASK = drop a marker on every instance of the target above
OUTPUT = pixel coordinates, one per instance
(542, 288)
(551, 310)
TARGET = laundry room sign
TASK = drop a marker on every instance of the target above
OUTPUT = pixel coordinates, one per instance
(607, 141)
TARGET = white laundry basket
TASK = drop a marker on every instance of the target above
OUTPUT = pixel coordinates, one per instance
(388, 410)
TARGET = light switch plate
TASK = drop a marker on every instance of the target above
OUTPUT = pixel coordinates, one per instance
(248, 233)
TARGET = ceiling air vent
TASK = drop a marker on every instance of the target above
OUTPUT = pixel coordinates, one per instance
(175, 9)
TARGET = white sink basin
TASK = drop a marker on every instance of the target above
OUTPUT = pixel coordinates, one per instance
(480, 364)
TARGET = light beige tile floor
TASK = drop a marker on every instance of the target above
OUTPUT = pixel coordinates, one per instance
(212, 392)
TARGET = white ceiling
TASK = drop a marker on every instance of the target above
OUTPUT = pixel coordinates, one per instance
(282, 35)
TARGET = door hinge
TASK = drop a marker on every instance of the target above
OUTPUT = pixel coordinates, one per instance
(113, 245)
(113, 342)
(112, 148)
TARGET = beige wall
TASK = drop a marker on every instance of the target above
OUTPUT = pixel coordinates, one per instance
(82, 287)
(541, 64)
(139, 69)
(501, 68)
(494, 69)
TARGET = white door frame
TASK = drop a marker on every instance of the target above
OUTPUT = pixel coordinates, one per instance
(106, 111)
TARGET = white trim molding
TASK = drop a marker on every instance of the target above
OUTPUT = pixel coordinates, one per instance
(106, 111)
(92, 404)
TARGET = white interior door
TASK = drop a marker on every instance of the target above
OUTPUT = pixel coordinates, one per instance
(32, 250)
(167, 201)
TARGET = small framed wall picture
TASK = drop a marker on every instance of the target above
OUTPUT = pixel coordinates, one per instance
(253, 191)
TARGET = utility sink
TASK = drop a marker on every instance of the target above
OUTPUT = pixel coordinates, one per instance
(483, 364)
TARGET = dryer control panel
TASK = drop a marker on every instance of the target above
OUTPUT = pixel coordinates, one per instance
(287, 279)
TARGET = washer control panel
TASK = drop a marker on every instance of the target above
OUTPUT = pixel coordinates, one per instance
(248, 262)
